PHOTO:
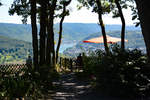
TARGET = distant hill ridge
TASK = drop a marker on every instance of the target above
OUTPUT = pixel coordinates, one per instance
(9, 43)
(16, 31)
(13, 50)
(71, 31)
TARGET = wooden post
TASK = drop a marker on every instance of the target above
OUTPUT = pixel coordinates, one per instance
(71, 65)
(60, 62)
(65, 63)
(76, 63)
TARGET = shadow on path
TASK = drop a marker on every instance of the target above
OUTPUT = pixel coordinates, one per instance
(73, 89)
(69, 88)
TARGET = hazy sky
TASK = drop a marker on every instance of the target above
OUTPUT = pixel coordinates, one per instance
(81, 16)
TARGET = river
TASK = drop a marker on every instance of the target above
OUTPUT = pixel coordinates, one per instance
(65, 46)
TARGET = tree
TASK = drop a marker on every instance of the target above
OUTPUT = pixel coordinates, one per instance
(62, 16)
(46, 11)
(100, 9)
(21, 8)
(0, 4)
(26, 8)
(43, 17)
(144, 17)
(54, 6)
(100, 12)
(50, 50)
(34, 32)
(124, 4)
(141, 13)
(123, 23)
(117, 12)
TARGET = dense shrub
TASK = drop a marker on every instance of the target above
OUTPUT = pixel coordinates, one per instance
(90, 62)
(30, 83)
(47, 75)
(18, 85)
(121, 73)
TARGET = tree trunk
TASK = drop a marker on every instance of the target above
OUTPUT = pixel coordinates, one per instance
(34, 33)
(61, 27)
(52, 32)
(144, 16)
(48, 48)
(60, 33)
(52, 42)
(42, 31)
(123, 24)
(50, 38)
(102, 25)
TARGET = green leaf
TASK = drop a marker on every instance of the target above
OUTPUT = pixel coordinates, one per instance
(3, 93)
(79, 7)
(0, 4)
(125, 6)
(137, 24)
(134, 17)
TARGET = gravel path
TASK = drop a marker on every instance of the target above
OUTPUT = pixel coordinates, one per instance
(73, 89)
(69, 88)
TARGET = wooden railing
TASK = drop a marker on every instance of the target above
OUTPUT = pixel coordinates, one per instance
(70, 63)
(12, 68)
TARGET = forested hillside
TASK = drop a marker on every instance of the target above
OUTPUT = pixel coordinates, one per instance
(12, 50)
(79, 31)
(16, 31)
(71, 31)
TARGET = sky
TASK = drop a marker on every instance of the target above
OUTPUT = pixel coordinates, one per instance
(76, 16)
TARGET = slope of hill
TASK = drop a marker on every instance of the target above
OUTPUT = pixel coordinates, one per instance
(8, 43)
(71, 31)
(79, 31)
(12, 50)
(16, 31)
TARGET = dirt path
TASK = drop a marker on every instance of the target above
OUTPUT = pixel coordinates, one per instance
(73, 89)
(69, 88)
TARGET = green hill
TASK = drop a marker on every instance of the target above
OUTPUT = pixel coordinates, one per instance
(79, 31)
(71, 31)
(16, 31)
(8, 43)
(12, 50)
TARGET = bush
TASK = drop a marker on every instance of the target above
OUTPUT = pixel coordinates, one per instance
(30, 83)
(90, 62)
(121, 73)
(19, 85)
